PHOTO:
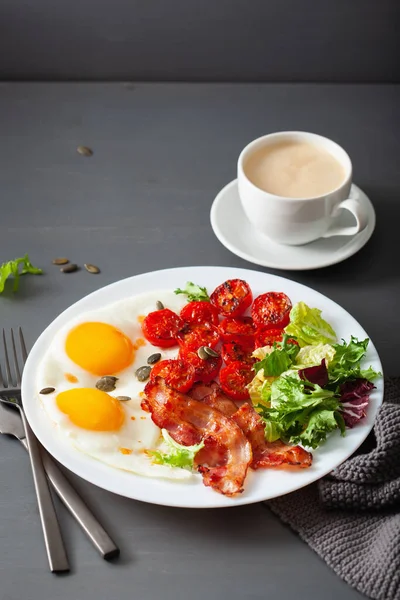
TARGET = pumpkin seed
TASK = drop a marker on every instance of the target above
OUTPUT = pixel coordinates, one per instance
(211, 352)
(106, 383)
(91, 268)
(123, 398)
(143, 373)
(201, 352)
(48, 390)
(69, 268)
(154, 358)
(159, 305)
(60, 261)
(84, 151)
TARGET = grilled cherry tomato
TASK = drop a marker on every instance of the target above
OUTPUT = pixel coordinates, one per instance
(267, 337)
(234, 378)
(232, 297)
(271, 310)
(194, 335)
(161, 328)
(178, 374)
(232, 352)
(205, 370)
(199, 312)
(238, 329)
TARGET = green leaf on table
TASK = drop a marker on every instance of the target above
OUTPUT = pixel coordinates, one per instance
(15, 268)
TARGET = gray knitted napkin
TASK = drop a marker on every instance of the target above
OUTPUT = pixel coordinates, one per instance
(351, 518)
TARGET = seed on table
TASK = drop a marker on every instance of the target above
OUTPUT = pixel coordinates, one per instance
(154, 358)
(201, 352)
(47, 390)
(69, 268)
(159, 305)
(211, 352)
(84, 151)
(60, 261)
(91, 268)
(106, 383)
(123, 398)
(143, 373)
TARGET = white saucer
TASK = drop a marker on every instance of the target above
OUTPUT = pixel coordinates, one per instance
(235, 232)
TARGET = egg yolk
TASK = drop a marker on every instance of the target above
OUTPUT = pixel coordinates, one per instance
(99, 348)
(91, 409)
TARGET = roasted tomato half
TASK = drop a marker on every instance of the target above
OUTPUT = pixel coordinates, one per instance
(271, 310)
(178, 374)
(199, 312)
(232, 297)
(206, 370)
(238, 329)
(234, 379)
(161, 327)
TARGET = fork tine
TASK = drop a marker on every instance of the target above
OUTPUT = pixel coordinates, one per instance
(8, 381)
(23, 346)
(2, 381)
(16, 365)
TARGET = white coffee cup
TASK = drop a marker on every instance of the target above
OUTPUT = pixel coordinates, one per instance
(297, 221)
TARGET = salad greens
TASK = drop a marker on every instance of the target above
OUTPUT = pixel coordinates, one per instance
(177, 455)
(194, 292)
(279, 360)
(301, 412)
(12, 268)
(307, 325)
(304, 392)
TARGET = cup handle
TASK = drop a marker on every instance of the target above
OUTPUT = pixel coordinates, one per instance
(359, 213)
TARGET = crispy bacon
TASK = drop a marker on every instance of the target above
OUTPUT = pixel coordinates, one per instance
(188, 421)
(268, 454)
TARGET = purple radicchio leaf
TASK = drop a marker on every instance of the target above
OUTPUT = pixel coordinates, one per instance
(317, 375)
(354, 396)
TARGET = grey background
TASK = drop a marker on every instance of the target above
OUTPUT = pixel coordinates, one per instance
(200, 40)
(141, 203)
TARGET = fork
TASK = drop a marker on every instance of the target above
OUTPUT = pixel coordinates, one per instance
(56, 554)
(11, 424)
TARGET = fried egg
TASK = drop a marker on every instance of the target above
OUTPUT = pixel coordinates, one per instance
(107, 341)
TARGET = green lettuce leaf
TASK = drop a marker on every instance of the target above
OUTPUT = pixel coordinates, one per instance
(177, 455)
(346, 362)
(313, 355)
(194, 292)
(309, 328)
(321, 422)
(279, 360)
(300, 412)
(15, 268)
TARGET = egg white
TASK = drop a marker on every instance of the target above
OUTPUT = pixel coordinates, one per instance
(138, 433)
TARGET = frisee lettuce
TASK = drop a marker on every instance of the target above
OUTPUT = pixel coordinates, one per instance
(345, 364)
(194, 292)
(15, 268)
(309, 328)
(177, 455)
(300, 412)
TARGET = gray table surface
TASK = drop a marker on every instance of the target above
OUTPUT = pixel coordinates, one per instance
(141, 203)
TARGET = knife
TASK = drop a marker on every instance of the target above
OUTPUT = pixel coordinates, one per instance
(11, 424)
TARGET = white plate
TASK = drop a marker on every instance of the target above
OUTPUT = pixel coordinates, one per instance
(236, 233)
(259, 486)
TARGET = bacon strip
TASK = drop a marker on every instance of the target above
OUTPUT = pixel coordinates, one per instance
(268, 454)
(188, 421)
(213, 396)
